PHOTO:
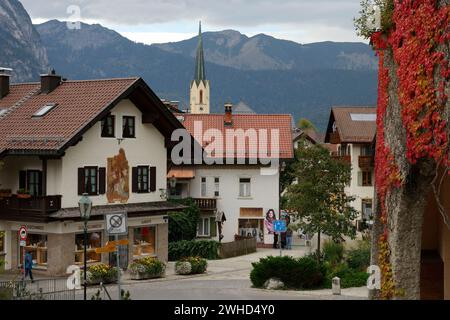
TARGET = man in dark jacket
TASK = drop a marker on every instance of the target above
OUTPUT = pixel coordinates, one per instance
(28, 266)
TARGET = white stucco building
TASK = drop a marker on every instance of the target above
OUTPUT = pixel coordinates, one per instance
(352, 130)
(60, 139)
(243, 192)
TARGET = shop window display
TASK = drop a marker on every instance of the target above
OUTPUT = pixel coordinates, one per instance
(144, 242)
(94, 240)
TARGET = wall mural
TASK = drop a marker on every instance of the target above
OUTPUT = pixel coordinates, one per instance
(118, 178)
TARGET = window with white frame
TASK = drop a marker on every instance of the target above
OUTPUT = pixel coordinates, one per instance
(244, 187)
(203, 227)
(216, 187)
(203, 187)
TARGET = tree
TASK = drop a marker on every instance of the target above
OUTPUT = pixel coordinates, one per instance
(183, 225)
(305, 124)
(318, 196)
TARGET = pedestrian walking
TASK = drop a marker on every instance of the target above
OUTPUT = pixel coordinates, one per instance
(28, 266)
(289, 239)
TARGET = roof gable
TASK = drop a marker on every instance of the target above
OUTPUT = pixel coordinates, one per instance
(80, 105)
(353, 124)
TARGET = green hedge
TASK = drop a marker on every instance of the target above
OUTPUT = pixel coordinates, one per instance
(302, 273)
(207, 249)
(350, 278)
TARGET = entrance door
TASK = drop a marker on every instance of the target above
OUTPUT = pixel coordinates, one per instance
(431, 276)
(123, 252)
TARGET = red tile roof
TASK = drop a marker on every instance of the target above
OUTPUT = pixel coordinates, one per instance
(273, 124)
(79, 104)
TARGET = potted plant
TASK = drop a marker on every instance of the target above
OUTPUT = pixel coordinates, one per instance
(5, 193)
(101, 273)
(147, 268)
(23, 194)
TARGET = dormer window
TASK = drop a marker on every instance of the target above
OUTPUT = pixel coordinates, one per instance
(108, 124)
(129, 128)
(44, 110)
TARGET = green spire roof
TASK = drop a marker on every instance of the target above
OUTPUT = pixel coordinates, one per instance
(200, 73)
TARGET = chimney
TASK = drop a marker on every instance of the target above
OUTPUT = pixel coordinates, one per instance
(228, 114)
(50, 82)
(5, 75)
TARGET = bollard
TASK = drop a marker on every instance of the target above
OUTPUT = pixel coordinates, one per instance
(336, 286)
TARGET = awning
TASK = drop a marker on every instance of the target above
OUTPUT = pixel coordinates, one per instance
(181, 173)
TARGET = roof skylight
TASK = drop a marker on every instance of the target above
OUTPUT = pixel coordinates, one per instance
(44, 110)
(363, 117)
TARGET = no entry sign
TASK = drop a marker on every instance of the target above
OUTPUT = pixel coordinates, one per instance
(23, 233)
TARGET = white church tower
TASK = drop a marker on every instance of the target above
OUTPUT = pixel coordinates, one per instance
(199, 98)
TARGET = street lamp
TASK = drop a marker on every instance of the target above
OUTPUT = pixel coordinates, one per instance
(85, 206)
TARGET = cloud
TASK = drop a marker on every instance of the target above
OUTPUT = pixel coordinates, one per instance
(287, 16)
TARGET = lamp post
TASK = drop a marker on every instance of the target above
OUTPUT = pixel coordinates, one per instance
(281, 170)
(85, 206)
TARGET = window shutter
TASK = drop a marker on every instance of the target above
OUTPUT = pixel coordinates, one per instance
(360, 178)
(152, 179)
(40, 184)
(212, 227)
(22, 179)
(134, 180)
(101, 180)
(80, 181)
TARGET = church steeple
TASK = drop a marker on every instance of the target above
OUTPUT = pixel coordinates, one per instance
(199, 100)
(200, 73)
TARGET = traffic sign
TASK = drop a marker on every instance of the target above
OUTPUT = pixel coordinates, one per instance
(122, 242)
(111, 246)
(23, 233)
(23, 243)
(116, 223)
(279, 226)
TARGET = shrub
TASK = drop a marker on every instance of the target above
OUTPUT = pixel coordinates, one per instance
(303, 273)
(183, 267)
(183, 225)
(349, 277)
(359, 258)
(206, 249)
(191, 265)
(198, 264)
(333, 252)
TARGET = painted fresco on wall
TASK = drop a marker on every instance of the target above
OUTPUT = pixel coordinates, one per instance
(118, 188)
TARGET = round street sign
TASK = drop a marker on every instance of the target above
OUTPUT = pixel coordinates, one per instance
(23, 233)
(115, 221)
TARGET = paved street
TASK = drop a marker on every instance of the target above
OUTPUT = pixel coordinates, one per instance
(226, 279)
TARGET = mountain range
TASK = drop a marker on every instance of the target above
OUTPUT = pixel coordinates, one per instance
(268, 74)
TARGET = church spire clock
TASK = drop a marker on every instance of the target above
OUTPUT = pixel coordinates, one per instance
(200, 90)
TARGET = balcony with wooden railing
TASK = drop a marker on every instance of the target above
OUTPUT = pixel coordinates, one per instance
(29, 209)
(206, 203)
(335, 138)
(366, 162)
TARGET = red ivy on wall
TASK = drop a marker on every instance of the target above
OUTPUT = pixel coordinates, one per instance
(419, 28)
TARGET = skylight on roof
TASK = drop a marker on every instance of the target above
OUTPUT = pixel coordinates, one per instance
(44, 110)
(363, 116)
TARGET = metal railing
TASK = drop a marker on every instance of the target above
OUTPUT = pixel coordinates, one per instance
(42, 289)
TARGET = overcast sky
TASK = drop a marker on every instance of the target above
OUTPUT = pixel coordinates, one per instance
(156, 21)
